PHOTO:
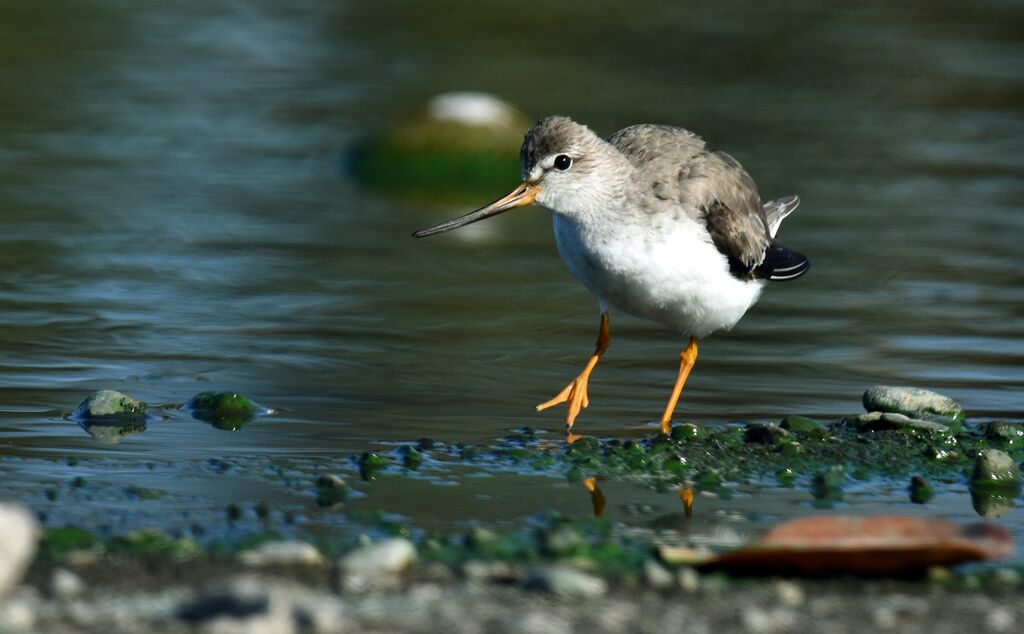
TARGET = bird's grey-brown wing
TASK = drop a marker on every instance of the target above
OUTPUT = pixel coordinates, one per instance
(710, 186)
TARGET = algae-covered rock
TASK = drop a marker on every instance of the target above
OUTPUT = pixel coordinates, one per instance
(370, 464)
(913, 402)
(801, 424)
(331, 490)
(1010, 434)
(920, 491)
(223, 410)
(685, 431)
(994, 467)
(108, 405)
(463, 140)
(884, 421)
(827, 485)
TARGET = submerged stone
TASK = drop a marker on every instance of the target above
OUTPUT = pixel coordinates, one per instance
(369, 464)
(331, 490)
(106, 405)
(910, 401)
(223, 410)
(994, 467)
(827, 485)
(920, 491)
(1011, 434)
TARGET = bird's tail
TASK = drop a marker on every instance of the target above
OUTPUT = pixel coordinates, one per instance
(777, 210)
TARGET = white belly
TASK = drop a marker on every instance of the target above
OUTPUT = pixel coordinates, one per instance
(673, 275)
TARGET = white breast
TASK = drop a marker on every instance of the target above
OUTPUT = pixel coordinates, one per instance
(671, 274)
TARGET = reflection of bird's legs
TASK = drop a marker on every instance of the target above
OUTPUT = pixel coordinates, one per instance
(596, 497)
(686, 495)
(686, 361)
(576, 392)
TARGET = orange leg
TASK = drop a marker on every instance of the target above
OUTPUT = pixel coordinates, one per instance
(686, 361)
(575, 394)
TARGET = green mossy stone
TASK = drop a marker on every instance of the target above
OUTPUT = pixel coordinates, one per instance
(411, 458)
(785, 476)
(370, 464)
(995, 468)
(802, 424)
(910, 401)
(331, 490)
(224, 410)
(1010, 434)
(685, 432)
(791, 448)
(827, 485)
(106, 405)
(464, 141)
(920, 491)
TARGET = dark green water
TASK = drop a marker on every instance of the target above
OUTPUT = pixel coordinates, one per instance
(175, 217)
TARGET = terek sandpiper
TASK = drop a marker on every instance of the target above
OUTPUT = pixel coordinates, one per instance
(653, 223)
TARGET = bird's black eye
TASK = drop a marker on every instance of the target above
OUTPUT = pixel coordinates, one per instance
(563, 162)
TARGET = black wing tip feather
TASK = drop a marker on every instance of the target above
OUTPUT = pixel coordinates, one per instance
(781, 264)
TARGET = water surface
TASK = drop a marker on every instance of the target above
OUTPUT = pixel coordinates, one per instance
(175, 216)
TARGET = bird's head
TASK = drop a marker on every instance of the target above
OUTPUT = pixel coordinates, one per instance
(566, 167)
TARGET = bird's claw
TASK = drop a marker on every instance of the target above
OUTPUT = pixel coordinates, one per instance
(575, 394)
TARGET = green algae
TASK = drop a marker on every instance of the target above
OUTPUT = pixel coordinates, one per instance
(229, 411)
(712, 456)
(58, 542)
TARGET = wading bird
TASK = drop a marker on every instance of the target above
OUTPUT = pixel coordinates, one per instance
(653, 223)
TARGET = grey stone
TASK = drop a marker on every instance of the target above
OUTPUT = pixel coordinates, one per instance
(19, 534)
(910, 401)
(19, 611)
(566, 582)
(885, 421)
(106, 404)
(995, 467)
(376, 566)
(282, 553)
(65, 584)
(657, 576)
